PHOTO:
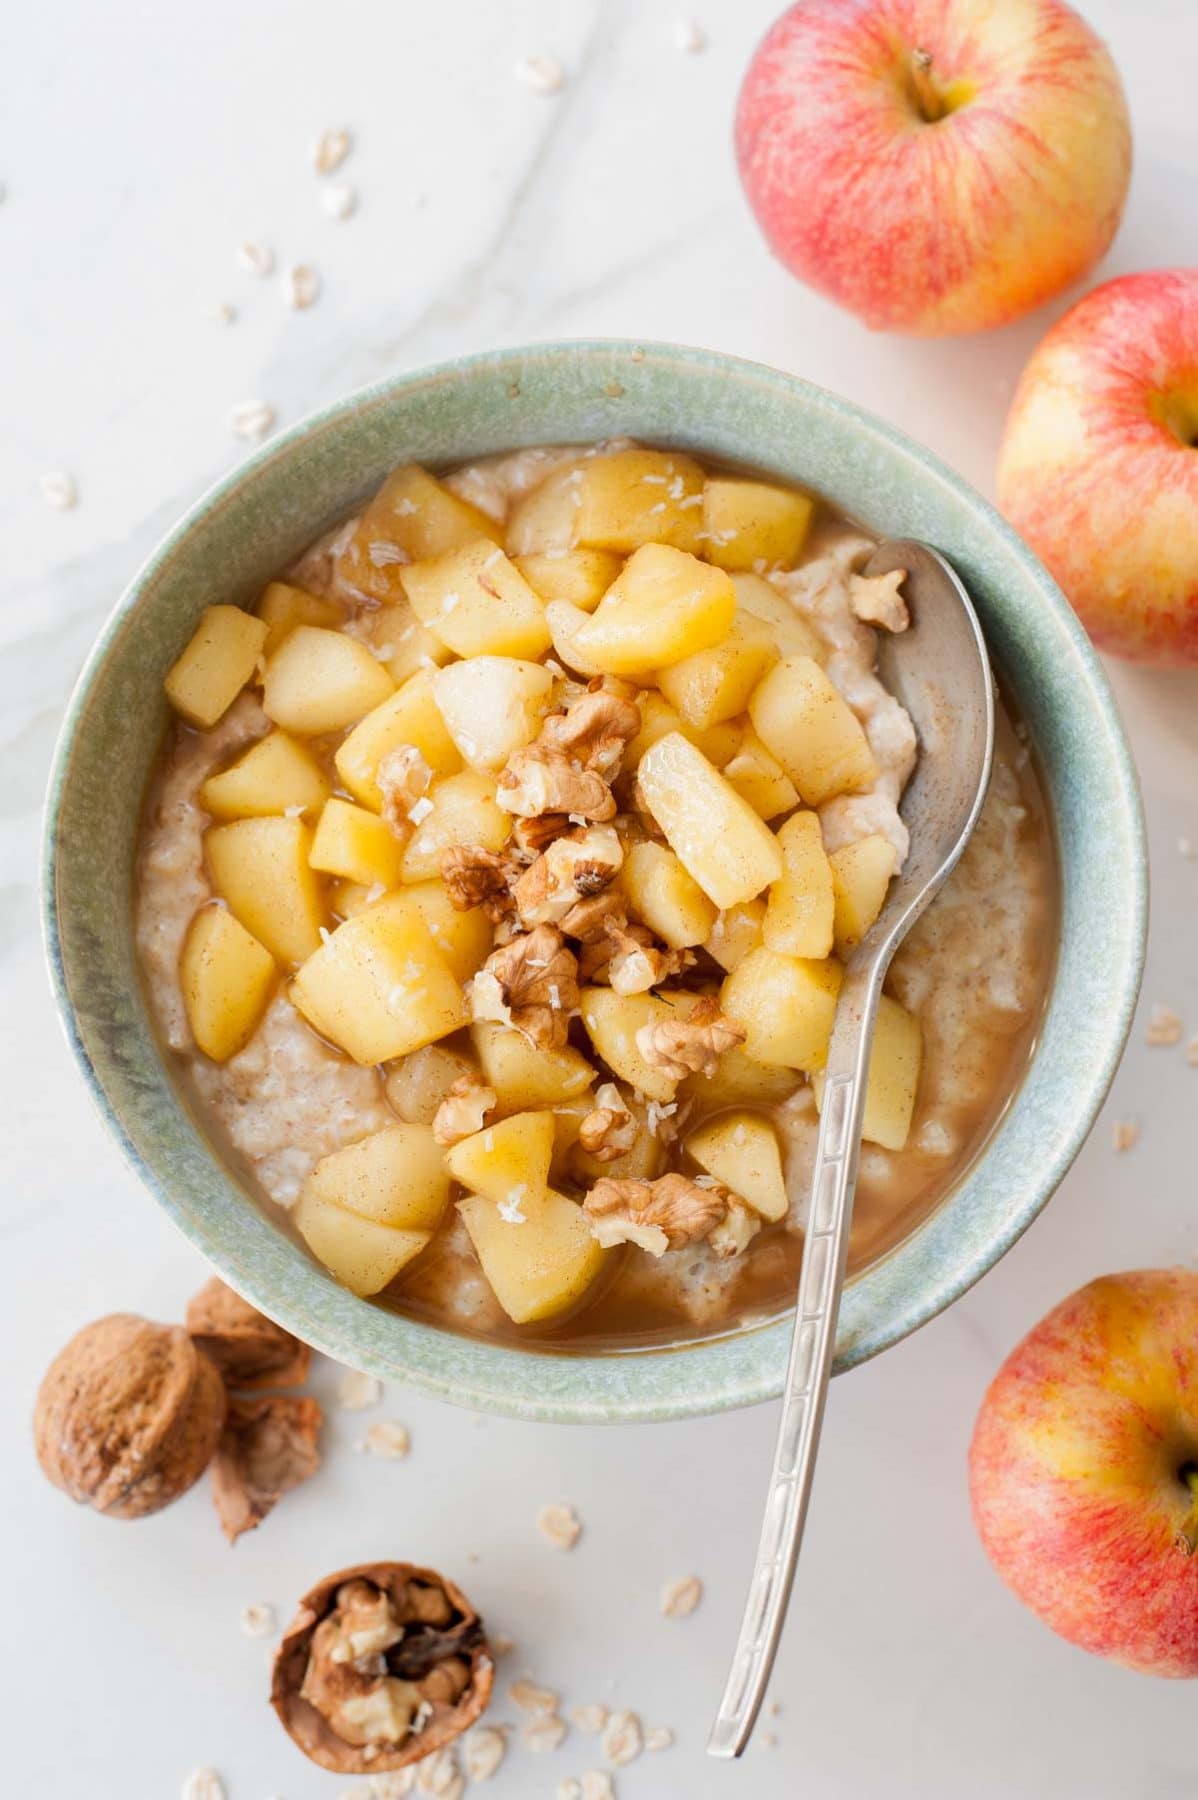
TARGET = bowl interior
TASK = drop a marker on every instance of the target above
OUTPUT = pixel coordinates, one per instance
(253, 523)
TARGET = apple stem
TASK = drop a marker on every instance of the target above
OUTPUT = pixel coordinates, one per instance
(1187, 1536)
(928, 97)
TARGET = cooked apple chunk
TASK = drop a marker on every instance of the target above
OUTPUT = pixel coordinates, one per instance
(320, 681)
(741, 1150)
(760, 778)
(893, 1081)
(261, 868)
(462, 809)
(752, 522)
(658, 719)
(785, 1005)
(716, 835)
(669, 901)
(524, 1076)
(735, 932)
(363, 1255)
(739, 1081)
(410, 717)
(478, 603)
(396, 1176)
(463, 938)
(812, 730)
(664, 606)
(861, 874)
(540, 1258)
(798, 917)
(412, 517)
(283, 607)
(492, 705)
(227, 977)
(506, 1162)
(612, 1022)
(714, 685)
(217, 663)
(792, 633)
(636, 497)
(275, 775)
(379, 987)
(580, 576)
(357, 845)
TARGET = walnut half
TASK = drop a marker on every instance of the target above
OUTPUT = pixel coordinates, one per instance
(383, 1665)
(690, 1045)
(249, 1349)
(531, 983)
(656, 1215)
(268, 1446)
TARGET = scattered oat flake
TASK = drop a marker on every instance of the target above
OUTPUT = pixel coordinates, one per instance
(680, 1598)
(439, 1776)
(483, 1750)
(395, 1785)
(775, 1709)
(1192, 1053)
(257, 1619)
(689, 36)
(224, 313)
(388, 1439)
(658, 1737)
(501, 1644)
(544, 1732)
(356, 1391)
(1187, 848)
(331, 149)
(623, 1740)
(339, 199)
(203, 1784)
(58, 490)
(597, 1784)
(1164, 1028)
(561, 1525)
(768, 1740)
(591, 1718)
(252, 419)
(543, 74)
(301, 287)
(530, 1698)
(256, 259)
(1126, 1134)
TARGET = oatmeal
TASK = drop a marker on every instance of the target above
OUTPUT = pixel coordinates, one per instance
(497, 879)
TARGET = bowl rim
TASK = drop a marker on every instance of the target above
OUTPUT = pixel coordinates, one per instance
(492, 1385)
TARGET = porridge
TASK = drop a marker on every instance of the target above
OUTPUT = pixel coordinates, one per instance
(496, 879)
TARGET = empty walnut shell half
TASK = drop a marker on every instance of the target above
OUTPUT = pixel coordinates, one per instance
(128, 1416)
(249, 1349)
(383, 1664)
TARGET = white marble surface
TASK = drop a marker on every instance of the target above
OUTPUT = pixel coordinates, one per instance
(141, 146)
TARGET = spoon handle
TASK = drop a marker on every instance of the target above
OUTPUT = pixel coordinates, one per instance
(825, 1248)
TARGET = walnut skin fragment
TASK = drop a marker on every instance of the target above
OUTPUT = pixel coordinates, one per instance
(383, 1665)
(267, 1448)
(249, 1349)
(128, 1416)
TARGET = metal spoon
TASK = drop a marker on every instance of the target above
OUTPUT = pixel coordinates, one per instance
(938, 669)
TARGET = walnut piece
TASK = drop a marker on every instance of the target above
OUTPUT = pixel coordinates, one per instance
(537, 780)
(403, 778)
(691, 1045)
(736, 1230)
(128, 1416)
(610, 1130)
(531, 983)
(267, 1448)
(637, 964)
(384, 1665)
(249, 1349)
(587, 920)
(531, 836)
(655, 1215)
(577, 866)
(876, 600)
(469, 1105)
(484, 878)
(595, 730)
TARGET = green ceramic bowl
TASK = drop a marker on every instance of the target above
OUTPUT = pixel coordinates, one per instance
(309, 478)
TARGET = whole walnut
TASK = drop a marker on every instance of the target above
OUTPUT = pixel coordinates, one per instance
(128, 1416)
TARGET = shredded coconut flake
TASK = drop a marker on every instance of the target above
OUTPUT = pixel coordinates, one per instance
(559, 1525)
(58, 490)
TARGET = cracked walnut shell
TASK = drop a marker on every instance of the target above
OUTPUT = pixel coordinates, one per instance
(249, 1349)
(128, 1416)
(383, 1665)
(268, 1447)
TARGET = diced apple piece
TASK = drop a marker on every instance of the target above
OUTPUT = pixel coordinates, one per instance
(507, 1162)
(668, 900)
(226, 977)
(785, 1005)
(217, 663)
(741, 1150)
(524, 1076)
(612, 1021)
(636, 497)
(739, 1081)
(580, 576)
(283, 607)
(396, 1177)
(320, 681)
(543, 521)
(861, 875)
(478, 603)
(410, 716)
(751, 522)
(492, 705)
(664, 606)
(260, 868)
(463, 938)
(423, 1080)
(401, 643)
(894, 1066)
(565, 623)
(363, 1255)
(541, 1266)
(716, 835)
(348, 898)
(760, 779)
(798, 916)
(714, 685)
(464, 811)
(812, 730)
(379, 987)
(275, 775)
(735, 933)
(357, 845)
(411, 518)
(658, 719)
(793, 634)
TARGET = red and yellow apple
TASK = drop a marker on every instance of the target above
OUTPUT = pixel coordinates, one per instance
(1099, 463)
(1084, 1470)
(935, 165)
